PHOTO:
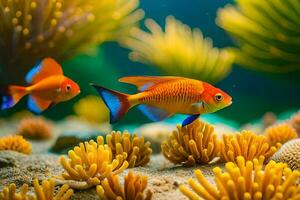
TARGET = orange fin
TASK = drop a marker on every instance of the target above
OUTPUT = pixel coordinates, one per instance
(11, 95)
(47, 67)
(145, 82)
(37, 105)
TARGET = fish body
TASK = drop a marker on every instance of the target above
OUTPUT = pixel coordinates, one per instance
(47, 86)
(161, 97)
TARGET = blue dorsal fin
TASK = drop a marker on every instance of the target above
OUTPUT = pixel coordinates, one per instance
(153, 113)
(37, 105)
(33, 72)
(190, 119)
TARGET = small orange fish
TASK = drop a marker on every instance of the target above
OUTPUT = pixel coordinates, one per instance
(161, 97)
(47, 86)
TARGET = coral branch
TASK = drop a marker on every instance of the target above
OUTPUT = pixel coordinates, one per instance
(15, 143)
(280, 133)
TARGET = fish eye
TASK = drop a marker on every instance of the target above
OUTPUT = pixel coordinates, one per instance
(68, 88)
(218, 97)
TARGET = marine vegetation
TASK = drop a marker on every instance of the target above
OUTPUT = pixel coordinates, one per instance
(191, 144)
(15, 143)
(246, 180)
(89, 163)
(280, 133)
(295, 122)
(92, 109)
(289, 153)
(266, 32)
(45, 191)
(138, 151)
(133, 188)
(246, 144)
(160, 97)
(35, 128)
(33, 29)
(179, 50)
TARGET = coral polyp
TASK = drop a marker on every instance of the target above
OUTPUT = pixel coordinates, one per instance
(91, 162)
(138, 151)
(45, 191)
(179, 51)
(246, 144)
(280, 133)
(15, 143)
(133, 189)
(35, 128)
(295, 122)
(33, 29)
(194, 143)
(246, 180)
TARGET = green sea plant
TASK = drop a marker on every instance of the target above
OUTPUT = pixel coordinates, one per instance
(179, 50)
(33, 29)
(15, 143)
(267, 33)
(246, 180)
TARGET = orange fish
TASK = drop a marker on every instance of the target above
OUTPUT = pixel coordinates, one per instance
(161, 97)
(46, 86)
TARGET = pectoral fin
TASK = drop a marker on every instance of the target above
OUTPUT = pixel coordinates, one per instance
(37, 105)
(153, 113)
(190, 119)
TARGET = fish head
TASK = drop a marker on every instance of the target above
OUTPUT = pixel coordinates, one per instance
(69, 89)
(215, 98)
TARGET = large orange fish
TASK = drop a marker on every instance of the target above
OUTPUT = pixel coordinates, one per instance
(161, 97)
(46, 86)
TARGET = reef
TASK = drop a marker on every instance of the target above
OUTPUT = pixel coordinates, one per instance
(194, 143)
(35, 128)
(273, 181)
(133, 189)
(15, 143)
(179, 51)
(246, 144)
(295, 122)
(280, 133)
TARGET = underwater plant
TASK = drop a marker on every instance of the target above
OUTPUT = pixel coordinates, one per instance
(289, 153)
(45, 191)
(133, 189)
(92, 109)
(35, 128)
(33, 29)
(266, 32)
(138, 151)
(89, 163)
(191, 144)
(280, 133)
(179, 50)
(246, 180)
(246, 144)
(295, 122)
(15, 143)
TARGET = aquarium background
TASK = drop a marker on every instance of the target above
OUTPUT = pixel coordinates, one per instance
(254, 93)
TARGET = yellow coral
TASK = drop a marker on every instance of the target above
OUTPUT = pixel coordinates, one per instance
(91, 162)
(15, 143)
(45, 191)
(92, 109)
(280, 133)
(35, 128)
(246, 144)
(33, 29)
(138, 152)
(295, 122)
(246, 180)
(179, 50)
(194, 143)
(133, 189)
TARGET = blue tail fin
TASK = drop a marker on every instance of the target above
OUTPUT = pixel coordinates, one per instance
(10, 95)
(116, 102)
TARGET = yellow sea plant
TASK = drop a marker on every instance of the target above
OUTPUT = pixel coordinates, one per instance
(35, 128)
(33, 29)
(15, 143)
(45, 191)
(194, 143)
(267, 33)
(89, 163)
(133, 189)
(92, 109)
(179, 50)
(280, 133)
(138, 151)
(246, 144)
(246, 180)
(295, 122)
